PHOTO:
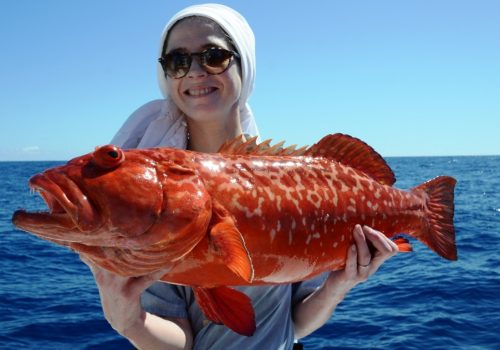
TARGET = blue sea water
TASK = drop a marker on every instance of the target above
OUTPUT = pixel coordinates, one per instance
(48, 299)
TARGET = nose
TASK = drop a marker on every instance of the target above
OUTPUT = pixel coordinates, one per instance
(196, 70)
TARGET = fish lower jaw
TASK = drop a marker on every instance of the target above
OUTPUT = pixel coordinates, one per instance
(43, 223)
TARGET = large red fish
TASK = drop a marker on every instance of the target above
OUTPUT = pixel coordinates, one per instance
(249, 214)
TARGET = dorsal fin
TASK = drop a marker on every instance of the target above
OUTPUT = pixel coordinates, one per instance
(355, 153)
(238, 145)
(341, 148)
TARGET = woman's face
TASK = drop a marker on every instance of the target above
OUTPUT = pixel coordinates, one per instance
(199, 95)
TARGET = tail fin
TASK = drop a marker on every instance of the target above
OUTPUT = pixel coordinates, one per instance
(439, 233)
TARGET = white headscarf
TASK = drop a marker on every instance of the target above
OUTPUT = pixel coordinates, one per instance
(160, 122)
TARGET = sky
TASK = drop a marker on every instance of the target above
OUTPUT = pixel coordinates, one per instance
(410, 78)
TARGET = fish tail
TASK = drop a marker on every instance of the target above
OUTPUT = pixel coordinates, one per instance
(438, 232)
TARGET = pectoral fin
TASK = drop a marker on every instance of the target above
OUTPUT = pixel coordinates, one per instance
(228, 242)
(223, 305)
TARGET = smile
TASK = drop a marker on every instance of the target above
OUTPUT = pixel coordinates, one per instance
(200, 92)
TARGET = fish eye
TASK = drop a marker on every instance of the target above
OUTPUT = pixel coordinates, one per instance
(113, 154)
(108, 156)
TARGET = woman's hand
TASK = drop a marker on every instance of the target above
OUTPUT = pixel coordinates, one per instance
(120, 296)
(371, 249)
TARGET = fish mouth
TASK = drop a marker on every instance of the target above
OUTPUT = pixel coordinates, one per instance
(70, 216)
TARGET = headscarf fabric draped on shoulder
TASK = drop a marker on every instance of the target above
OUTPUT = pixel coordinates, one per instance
(160, 122)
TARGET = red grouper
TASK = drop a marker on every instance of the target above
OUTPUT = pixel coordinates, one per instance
(250, 214)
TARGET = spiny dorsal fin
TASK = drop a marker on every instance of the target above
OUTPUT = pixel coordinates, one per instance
(238, 145)
(355, 153)
(341, 148)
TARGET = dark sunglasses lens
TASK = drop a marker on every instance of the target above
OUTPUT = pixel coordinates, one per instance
(214, 60)
(177, 64)
(217, 59)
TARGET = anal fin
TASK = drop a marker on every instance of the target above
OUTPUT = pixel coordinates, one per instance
(223, 305)
(403, 244)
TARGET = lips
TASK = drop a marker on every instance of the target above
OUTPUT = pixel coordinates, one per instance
(69, 211)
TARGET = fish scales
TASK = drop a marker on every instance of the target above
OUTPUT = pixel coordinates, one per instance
(306, 218)
(250, 214)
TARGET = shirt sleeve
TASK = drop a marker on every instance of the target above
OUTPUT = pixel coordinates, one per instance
(301, 290)
(165, 300)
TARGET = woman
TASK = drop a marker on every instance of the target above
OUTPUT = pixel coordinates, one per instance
(206, 74)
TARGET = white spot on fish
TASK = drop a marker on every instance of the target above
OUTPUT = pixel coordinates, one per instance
(308, 240)
(335, 196)
(269, 193)
(247, 184)
(273, 235)
(278, 202)
(343, 187)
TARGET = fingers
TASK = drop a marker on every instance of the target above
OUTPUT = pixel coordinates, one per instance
(110, 282)
(364, 255)
(384, 247)
(88, 262)
(382, 244)
(371, 248)
(137, 285)
(351, 267)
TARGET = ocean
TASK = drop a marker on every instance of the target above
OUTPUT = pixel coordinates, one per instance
(48, 298)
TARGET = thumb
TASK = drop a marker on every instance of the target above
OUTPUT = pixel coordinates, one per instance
(87, 261)
(139, 284)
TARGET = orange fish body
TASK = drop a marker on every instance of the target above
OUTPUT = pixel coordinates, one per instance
(250, 214)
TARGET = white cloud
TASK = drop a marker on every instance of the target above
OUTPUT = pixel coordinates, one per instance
(31, 149)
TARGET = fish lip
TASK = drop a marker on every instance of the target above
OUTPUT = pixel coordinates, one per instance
(64, 200)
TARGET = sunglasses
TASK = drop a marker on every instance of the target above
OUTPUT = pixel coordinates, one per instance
(213, 60)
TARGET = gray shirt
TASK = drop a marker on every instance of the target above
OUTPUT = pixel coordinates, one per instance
(273, 313)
